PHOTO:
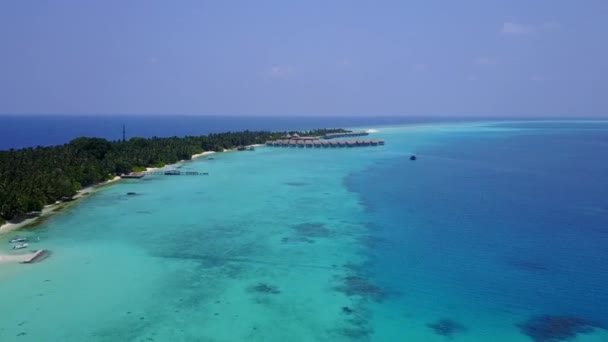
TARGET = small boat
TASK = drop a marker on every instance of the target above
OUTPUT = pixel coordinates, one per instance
(131, 193)
(20, 246)
(18, 239)
(413, 157)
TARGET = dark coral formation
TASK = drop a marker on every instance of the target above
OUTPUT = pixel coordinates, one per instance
(554, 328)
(359, 286)
(356, 332)
(265, 289)
(356, 324)
(313, 230)
(347, 310)
(447, 327)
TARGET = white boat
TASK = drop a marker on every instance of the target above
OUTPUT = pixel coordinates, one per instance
(18, 239)
(20, 246)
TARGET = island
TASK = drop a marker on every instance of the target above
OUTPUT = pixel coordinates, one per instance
(31, 178)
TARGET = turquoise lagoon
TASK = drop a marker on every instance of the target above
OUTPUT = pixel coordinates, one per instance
(494, 224)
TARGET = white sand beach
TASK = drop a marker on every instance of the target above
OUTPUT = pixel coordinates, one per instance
(206, 153)
(51, 208)
(5, 258)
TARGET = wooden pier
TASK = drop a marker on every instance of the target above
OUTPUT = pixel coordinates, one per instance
(163, 173)
(323, 143)
(132, 175)
(176, 173)
(344, 135)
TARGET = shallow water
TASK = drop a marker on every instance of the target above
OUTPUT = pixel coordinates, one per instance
(493, 225)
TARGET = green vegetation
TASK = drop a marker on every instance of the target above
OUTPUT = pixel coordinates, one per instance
(33, 177)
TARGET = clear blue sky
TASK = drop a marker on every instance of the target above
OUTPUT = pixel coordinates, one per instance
(223, 57)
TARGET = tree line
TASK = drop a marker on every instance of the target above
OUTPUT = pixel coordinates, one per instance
(33, 177)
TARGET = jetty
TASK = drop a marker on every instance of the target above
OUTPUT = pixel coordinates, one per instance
(320, 143)
(163, 173)
(345, 135)
(132, 175)
(176, 173)
(37, 256)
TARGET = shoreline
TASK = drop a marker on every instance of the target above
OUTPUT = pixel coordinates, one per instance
(18, 258)
(50, 209)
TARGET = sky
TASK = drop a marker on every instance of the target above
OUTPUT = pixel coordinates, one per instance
(528, 58)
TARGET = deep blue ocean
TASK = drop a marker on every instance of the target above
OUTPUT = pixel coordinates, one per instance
(508, 221)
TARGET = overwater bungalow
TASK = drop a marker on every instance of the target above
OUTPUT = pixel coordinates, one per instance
(344, 135)
(310, 143)
(172, 173)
